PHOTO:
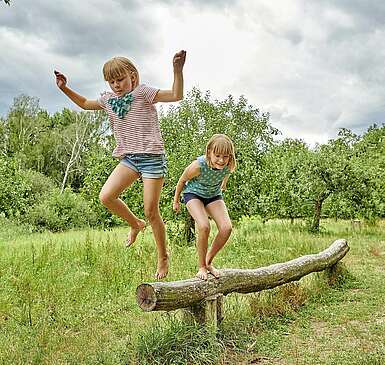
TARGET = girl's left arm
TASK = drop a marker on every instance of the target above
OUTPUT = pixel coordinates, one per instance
(177, 87)
(224, 183)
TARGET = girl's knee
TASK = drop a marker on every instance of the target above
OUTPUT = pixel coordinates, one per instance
(104, 198)
(225, 229)
(203, 228)
(152, 213)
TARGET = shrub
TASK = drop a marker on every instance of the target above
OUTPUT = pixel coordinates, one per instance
(39, 184)
(61, 211)
(99, 166)
(15, 192)
(20, 189)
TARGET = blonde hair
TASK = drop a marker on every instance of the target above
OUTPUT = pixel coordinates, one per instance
(221, 144)
(118, 67)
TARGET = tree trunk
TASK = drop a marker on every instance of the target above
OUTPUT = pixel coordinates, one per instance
(189, 228)
(190, 292)
(317, 215)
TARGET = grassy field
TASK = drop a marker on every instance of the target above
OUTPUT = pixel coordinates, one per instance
(69, 298)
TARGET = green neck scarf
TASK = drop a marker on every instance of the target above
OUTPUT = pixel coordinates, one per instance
(120, 106)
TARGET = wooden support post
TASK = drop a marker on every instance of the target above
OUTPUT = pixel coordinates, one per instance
(335, 273)
(220, 313)
(208, 312)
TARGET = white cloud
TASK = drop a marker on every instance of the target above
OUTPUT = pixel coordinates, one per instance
(315, 66)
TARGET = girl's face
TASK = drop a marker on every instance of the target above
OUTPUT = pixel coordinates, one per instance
(219, 161)
(122, 85)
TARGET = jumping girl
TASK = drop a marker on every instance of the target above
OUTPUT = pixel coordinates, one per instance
(139, 144)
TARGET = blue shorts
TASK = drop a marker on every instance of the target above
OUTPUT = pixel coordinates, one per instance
(147, 165)
(189, 196)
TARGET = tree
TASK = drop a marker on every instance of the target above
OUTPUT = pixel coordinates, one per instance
(53, 145)
(3, 144)
(23, 125)
(8, 2)
(282, 185)
(75, 140)
(186, 130)
(297, 181)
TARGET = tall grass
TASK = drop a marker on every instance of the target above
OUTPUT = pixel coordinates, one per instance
(69, 298)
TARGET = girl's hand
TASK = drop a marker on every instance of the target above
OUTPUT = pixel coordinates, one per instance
(179, 60)
(61, 80)
(176, 206)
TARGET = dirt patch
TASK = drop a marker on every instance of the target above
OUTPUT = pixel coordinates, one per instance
(247, 358)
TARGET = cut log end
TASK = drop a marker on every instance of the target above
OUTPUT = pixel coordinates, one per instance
(146, 297)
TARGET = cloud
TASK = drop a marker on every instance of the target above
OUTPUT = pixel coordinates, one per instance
(315, 66)
(75, 37)
(77, 28)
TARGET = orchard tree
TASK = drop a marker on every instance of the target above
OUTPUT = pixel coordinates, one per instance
(187, 128)
(365, 199)
(282, 186)
(333, 171)
(369, 157)
(298, 181)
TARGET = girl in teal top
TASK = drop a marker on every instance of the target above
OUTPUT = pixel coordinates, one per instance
(202, 183)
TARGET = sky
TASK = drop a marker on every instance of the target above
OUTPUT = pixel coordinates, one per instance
(315, 66)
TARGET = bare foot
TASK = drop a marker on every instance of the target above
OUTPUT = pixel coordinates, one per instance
(162, 269)
(202, 273)
(134, 232)
(213, 270)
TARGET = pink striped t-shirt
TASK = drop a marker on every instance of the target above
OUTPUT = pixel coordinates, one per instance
(139, 130)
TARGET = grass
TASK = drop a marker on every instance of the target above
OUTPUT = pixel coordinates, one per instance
(69, 298)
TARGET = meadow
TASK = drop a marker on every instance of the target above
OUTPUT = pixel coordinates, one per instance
(69, 298)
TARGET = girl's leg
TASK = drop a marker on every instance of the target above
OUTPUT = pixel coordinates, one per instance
(151, 196)
(198, 212)
(218, 211)
(120, 179)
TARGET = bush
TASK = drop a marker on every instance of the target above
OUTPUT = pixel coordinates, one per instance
(20, 189)
(61, 211)
(39, 184)
(99, 166)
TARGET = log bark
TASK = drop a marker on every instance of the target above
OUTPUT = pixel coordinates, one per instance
(186, 293)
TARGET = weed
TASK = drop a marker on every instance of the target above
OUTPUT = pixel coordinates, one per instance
(176, 342)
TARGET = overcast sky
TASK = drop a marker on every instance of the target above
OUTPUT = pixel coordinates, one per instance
(316, 66)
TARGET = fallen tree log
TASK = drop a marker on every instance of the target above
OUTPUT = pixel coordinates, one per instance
(188, 293)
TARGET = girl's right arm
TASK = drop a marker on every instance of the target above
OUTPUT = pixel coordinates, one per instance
(224, 183)
(81, 101)
(189, 173)
(176, 93)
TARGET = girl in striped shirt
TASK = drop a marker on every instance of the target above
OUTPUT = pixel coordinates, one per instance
(139, 144)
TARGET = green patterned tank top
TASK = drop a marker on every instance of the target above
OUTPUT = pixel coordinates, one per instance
(208, 183)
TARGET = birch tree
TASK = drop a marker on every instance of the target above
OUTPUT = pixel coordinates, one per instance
(75, 140)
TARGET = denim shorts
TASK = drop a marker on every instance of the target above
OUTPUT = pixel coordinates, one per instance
(147, 165)
(189, 196)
